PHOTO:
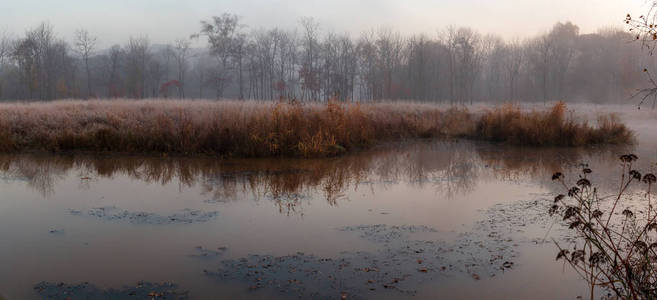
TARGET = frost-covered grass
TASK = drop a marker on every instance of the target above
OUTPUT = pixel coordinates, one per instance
(256, 129)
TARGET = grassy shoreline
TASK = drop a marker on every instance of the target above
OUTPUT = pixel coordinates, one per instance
(261, 129)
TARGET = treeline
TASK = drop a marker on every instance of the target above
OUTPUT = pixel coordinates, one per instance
(456, 65)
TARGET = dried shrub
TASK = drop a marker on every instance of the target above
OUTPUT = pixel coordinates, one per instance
(615, 247)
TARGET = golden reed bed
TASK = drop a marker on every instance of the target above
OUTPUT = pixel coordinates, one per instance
(256, 129)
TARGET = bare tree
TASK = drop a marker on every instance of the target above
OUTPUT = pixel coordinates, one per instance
(540, 53)
(563, 36)
(24, 55)
(43, 64)
(239, 49)
(169, 55)
(308, 74)
(389, 45)
(114, 65)
(221, 33)
(493, 50)
(5, 47)
(202, 70)
(156, 71)
(85, 44)
(138, 56)
(465, 50)
(513, 60)
(181, 50)
(367, 60)
(43, 37)
(5, 52)
(339, 66)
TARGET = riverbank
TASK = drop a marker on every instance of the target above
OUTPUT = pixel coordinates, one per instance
(261, 129)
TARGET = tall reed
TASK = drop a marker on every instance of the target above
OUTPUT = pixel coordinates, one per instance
(510, 124)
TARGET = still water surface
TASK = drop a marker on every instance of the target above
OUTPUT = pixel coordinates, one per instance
(418, 220)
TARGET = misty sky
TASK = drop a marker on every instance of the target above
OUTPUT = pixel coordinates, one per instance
(164, 20)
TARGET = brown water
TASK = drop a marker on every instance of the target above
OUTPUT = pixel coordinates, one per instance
(455, 219)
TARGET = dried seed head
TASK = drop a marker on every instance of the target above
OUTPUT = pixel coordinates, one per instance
(553, 210)
(651, 226)
(628, 158)
(570, 212)
(577, 256)
(635, 174)
(597, 258)
(562, 253)
(559, 198)
(597, 213)
(575, 224)
(584, 182)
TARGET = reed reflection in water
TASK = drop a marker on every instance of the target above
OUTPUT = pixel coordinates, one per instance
(450, 168)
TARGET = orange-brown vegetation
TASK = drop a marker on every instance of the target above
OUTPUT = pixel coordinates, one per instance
(510, 124)
(256, 129)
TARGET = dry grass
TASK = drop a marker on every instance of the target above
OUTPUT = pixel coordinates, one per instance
(228, 128)
(256, 129)
(510, 124)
